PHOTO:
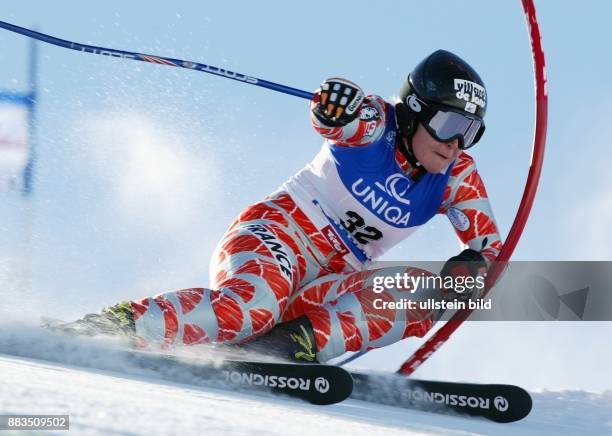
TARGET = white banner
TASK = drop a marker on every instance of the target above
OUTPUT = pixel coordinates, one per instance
(14, 144)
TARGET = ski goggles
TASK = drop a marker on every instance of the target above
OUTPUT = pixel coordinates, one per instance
(445, 126)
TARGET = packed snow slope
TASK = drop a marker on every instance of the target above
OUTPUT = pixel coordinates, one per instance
(42, 374)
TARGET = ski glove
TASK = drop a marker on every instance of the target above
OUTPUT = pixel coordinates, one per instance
(467, 272)
(338, 102)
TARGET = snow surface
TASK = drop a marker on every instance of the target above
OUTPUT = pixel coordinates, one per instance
(38, 375)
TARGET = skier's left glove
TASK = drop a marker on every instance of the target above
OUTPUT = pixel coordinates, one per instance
(338, 102)
(468, 263)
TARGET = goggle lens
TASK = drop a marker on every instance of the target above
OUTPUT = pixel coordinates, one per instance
(446, 126)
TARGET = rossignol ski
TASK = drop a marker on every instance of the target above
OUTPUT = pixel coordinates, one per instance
(496, 402)
(317, 384)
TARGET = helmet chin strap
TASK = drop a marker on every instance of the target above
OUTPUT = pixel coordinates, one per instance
(405, 146)
(407, 123)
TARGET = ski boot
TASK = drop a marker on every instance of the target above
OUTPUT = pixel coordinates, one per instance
(117, 320)
(293, 340)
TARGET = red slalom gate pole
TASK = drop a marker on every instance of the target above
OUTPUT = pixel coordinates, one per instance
(441, 336)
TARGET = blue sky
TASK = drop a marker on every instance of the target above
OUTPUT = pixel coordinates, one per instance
(141, 167)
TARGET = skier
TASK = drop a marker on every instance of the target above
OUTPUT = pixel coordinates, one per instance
(290, 275)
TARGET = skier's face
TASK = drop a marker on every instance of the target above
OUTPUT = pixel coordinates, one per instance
(434, 155)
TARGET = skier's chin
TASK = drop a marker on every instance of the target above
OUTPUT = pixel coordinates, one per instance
(436, 164)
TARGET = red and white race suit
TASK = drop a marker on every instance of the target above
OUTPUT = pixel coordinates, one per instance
(304, 250)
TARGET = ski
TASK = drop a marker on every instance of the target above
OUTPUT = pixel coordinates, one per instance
(496, 402)
(316, 384)
(208, 367)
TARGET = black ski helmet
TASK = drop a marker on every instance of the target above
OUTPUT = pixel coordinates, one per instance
(441, 81)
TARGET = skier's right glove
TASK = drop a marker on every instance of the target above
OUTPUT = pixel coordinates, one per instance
(467, 264)
(338, 102)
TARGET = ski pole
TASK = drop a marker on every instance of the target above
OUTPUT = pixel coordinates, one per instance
(222, 72)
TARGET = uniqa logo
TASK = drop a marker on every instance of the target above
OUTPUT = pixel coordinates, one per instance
(396, 186)
(501, 404)
(321, 384)
(391, 187)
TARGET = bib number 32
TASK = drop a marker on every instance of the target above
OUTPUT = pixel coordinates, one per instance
(355, 225)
